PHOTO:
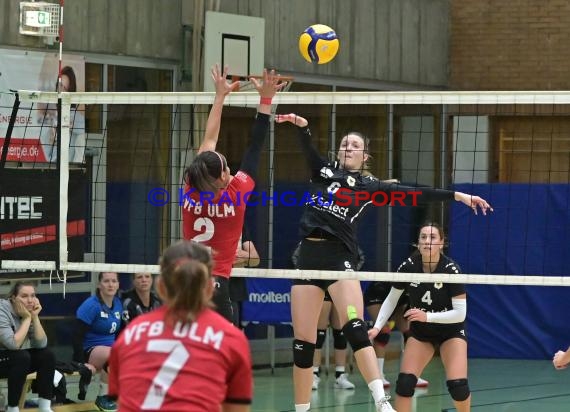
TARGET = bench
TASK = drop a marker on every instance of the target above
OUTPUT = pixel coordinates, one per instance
(72, 407)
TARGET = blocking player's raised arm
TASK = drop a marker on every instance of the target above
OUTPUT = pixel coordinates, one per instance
(223, 88)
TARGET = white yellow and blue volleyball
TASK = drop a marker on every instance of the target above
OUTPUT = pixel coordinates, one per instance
(318, 44)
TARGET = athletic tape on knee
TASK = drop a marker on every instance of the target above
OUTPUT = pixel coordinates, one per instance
(321, 336)
(458, 389)
(356, 333)
(339, 340)
(406, 384)
(303, 353)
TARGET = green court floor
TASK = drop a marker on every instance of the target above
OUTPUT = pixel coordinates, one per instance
(497, 386)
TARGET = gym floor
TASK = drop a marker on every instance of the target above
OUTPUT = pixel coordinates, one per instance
(497, 385)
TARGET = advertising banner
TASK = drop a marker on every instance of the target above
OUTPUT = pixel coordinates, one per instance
(29, 212)
(269, 301)
(34, 134)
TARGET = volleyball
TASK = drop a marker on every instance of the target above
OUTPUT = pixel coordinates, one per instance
(318, 44)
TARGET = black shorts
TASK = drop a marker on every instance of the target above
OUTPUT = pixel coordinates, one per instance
(377, 292)
(87, 353)
(221, 298)
(326, 254)
(436, 334)
(238, 289)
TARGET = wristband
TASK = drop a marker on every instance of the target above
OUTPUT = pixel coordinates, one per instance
(265, 100)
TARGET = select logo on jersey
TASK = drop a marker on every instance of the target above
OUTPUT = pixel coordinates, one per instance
(438, 285)
(348, 266)
(351, 181)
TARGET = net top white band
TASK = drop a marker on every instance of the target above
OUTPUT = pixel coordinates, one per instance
(308, 274)
(252, 98)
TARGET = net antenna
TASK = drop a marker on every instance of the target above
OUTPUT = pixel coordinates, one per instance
(41, 19)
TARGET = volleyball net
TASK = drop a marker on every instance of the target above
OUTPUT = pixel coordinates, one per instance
(111, 173)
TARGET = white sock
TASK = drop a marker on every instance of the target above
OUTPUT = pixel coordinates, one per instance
(302, 407)
(340, 369)
(377, 388)
(44, 405)
(316, 370)
(12, 409)
(103, 389)
(381, 366)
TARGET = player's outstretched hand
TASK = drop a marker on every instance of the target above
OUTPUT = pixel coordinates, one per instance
(269, 85)
(293, 118)
(223, 88)
(473, 202)
(559, 361)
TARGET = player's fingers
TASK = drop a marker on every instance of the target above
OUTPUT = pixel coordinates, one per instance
(281, 118)
(255, 82)
(265, 76)
(272, 76)
(234, 85)
(280, 86)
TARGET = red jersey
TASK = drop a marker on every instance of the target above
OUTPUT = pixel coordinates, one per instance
(218, 223)
(193, 367)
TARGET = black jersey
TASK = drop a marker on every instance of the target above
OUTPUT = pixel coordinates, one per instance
(133, 306)
(335, 201)
(431, 297)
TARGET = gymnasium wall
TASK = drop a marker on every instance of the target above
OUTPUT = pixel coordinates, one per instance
(506, 45)
(386, 40)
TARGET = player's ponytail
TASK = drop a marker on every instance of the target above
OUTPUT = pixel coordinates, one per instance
(188, 289)
(185, 273)
(203, 172)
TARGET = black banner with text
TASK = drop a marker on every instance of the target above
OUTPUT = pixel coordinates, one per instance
(29, 212)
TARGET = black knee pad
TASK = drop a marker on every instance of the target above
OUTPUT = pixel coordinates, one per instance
(356, 333)
(382, 339)
(303, 353)
(321, 336)
(406, 384)
(458, 389)
(339, 340)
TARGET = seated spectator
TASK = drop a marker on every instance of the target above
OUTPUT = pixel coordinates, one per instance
(140, 299)
(97, 324)
(23, 346)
